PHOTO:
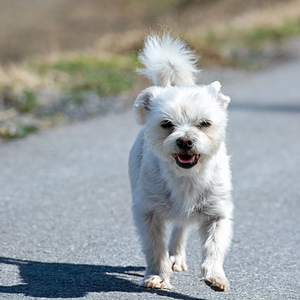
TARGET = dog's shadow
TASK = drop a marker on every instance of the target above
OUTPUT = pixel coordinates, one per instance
(64, 280)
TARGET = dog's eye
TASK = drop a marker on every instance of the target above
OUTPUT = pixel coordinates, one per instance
(167, 124)
(204, 124)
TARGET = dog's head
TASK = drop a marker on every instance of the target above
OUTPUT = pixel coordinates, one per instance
(183, 125)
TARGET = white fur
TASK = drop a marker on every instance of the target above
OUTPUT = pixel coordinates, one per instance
(164, 191)
(168, 61)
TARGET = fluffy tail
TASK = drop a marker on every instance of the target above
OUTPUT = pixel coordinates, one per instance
(168, 61)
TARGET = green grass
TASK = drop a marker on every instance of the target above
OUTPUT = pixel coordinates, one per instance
(272, 34)
(28, 101)
(70, 75)
(77, 74)
(19, 131)
(243, 47)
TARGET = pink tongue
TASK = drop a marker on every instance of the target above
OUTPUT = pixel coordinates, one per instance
(186, 159)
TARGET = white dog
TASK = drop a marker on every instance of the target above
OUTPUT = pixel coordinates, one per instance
(178, 167)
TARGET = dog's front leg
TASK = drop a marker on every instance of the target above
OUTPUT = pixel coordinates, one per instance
(215, 235)
(177, 248)
(152, 231)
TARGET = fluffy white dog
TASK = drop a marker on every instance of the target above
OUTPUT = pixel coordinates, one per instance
(178, 166)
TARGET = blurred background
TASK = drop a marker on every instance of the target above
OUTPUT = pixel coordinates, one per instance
(68, 60)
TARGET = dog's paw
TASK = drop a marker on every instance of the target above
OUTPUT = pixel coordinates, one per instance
(178, 263)
(155, 282)
(217, 283)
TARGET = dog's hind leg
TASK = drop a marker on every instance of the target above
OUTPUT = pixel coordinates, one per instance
(152, 232)
(177, 248)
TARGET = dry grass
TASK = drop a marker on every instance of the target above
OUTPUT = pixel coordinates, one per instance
(249, 34)
(219, 30)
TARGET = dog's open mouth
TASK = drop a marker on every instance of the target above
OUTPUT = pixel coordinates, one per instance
(186, 161)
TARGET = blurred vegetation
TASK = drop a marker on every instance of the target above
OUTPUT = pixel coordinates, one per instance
(65, 87)
(250, 48)
(98, 48)
(107, 76)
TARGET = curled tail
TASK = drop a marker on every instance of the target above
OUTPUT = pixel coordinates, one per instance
(168, 61)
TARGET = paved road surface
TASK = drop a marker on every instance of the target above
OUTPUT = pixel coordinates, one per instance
(65, 221)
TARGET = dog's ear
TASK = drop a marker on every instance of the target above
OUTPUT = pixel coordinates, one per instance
(142, 104)
(215, 88)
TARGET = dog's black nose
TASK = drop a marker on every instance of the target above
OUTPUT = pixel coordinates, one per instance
(184, 143)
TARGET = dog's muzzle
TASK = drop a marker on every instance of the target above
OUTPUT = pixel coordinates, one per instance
(186, 161)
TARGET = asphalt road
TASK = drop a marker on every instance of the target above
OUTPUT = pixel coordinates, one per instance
(65, 220)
